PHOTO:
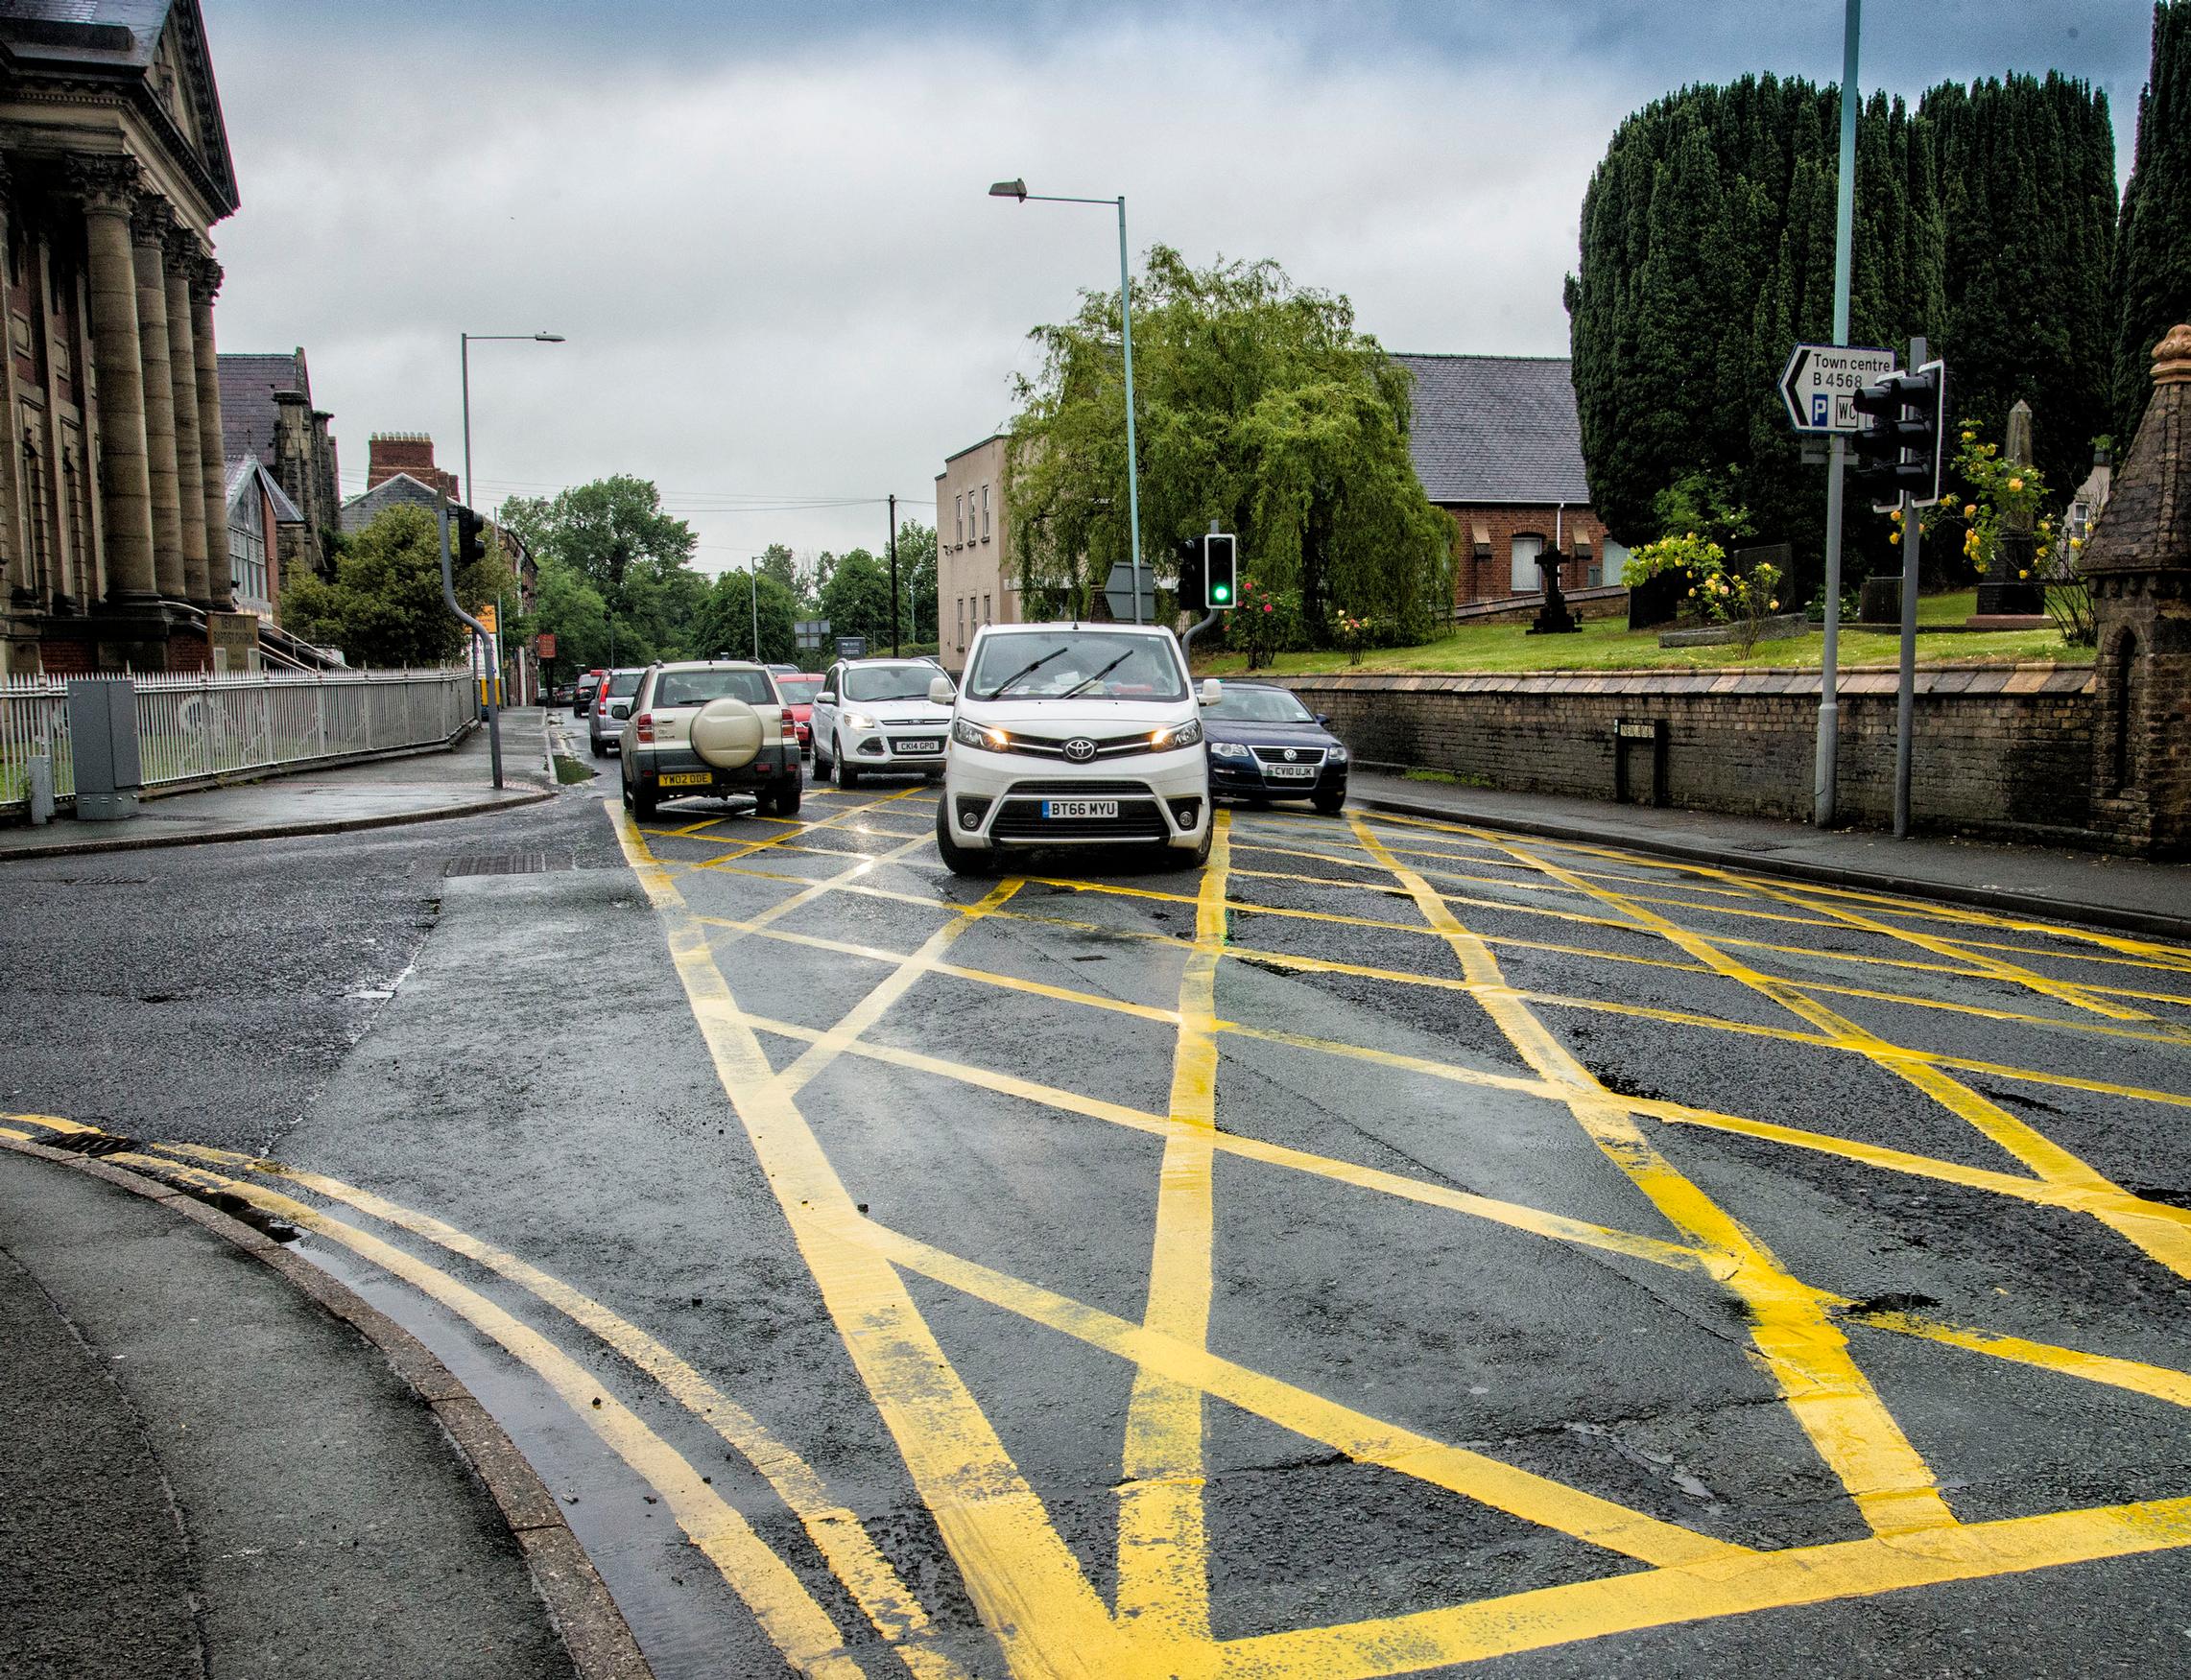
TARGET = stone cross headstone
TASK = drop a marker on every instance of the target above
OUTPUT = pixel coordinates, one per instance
(2011, 587)
(1553, 619)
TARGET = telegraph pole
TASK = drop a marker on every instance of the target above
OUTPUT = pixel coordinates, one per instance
(894, 575)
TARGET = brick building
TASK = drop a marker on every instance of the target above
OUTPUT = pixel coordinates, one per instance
(975, 583)
(1497, 445)
(114, 165)
(410, 453)
(267, 415)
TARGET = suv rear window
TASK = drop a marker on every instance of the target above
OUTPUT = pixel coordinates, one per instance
(625, 684)
(696, 688)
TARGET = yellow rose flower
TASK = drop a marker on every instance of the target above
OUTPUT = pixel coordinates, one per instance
(2076, 542)
(1894, 536)
(1895, 516)
(1970, 509)
(1773, 605)
(2024, 573)
(2015, 484)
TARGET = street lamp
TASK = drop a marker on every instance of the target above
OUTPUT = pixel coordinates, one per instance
(464, 341)
(753, 586)
(1017, 189)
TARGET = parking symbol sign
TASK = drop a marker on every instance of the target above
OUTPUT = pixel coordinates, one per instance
(1821, 409)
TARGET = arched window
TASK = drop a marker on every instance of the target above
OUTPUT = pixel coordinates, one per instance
(2120, 678)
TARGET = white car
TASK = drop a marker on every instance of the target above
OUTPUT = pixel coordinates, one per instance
(876, 715)
(1069, 735)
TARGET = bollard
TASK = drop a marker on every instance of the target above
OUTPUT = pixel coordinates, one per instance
(40, 773)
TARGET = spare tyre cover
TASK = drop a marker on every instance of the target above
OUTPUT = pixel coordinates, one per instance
(727, 733)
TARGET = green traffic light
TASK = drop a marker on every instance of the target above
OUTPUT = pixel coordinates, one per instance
(1221, 592)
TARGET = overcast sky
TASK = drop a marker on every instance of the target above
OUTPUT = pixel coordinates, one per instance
(764, 228)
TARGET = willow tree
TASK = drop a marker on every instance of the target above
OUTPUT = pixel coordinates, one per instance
(1260, 406)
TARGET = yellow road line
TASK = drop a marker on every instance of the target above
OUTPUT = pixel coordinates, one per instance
(795, 1625)
(2161, 1239)
(1365, 1440)
(837, 1533)
(1020, 1575)
(1163, 1545)
(1666, 1597)
(1809, 1358)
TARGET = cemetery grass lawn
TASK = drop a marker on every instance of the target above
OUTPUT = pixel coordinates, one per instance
(1607, 643)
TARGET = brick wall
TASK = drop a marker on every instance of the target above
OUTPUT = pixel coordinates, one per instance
(2004, 752)
(389, 453)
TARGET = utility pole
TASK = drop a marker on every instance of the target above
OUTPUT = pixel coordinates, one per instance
(1906, 680)
(1828, 749)
(893, 575)
(753, 595)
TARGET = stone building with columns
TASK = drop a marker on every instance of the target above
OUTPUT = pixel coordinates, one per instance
(114, 167)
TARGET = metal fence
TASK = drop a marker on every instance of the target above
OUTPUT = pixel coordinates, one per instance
(196, 728)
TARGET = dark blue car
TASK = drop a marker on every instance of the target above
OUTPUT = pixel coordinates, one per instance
(1265, 745)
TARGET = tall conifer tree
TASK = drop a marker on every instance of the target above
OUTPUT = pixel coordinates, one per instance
(2153, 272)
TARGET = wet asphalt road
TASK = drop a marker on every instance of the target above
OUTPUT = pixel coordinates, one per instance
(1720, 1263)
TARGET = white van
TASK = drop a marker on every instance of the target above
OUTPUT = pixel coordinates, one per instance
(1067, 735)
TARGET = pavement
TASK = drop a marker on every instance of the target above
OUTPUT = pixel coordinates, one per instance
(422, 787)
(2087, 887)
(221, 1462)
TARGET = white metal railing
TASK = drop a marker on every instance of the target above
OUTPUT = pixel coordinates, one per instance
(195, 726)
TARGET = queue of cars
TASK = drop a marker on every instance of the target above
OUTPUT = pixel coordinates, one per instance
(1060, 735)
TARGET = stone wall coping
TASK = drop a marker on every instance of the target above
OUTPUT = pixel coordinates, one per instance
(2043, 677)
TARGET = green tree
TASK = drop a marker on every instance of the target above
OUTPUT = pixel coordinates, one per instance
(916, 579)
(384, 607)
(1261, 406)
(614, 534)
(1707, 251)
(566, 604)
(724, 622)
(2153, 262)
(778, 562)
(856, 599)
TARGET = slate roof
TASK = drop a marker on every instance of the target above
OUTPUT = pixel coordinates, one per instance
(1496, 429)
(242, 469)
(397, 491)
(247, 409)
(117, 31)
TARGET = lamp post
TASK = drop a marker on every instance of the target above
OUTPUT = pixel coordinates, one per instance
(753, 586)
(1017, 189)
(464, 341)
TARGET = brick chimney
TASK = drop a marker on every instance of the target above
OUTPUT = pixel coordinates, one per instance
(407, 452)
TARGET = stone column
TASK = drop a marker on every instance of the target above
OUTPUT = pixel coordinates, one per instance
(149, 228)
(204, 285)
(109, 188)
(189, 449)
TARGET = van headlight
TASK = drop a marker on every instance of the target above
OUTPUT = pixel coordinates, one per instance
(967, 733)
(1229, 750)
(1187, 734)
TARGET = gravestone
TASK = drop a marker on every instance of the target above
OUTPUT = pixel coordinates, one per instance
(2012, 597)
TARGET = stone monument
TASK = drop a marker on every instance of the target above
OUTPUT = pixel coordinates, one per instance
(2138, 564)
(1553, 619)
(2012, 597)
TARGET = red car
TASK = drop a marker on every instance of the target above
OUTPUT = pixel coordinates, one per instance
(798, 694)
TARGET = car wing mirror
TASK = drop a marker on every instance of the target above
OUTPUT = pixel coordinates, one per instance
(825, 698)
(1212, 691)
(1323, 720)
(940, 693)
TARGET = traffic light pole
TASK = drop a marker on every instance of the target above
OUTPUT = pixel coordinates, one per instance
(1906, 682)
(479, 633)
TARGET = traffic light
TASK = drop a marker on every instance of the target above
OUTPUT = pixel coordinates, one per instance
(1901, 446)
(471, 541)
(1220, 566)
(1189, 559)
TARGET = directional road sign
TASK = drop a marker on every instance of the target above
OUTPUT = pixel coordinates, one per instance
(1820, 380)
(1118, 593)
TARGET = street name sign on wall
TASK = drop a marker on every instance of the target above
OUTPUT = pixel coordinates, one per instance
(1820, 379)
(1118, 593)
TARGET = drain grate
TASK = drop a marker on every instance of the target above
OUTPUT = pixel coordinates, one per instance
(511, 863)
(92, 1142)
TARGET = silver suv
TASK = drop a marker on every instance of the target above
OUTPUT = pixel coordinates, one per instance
(611, 705)
(710, 729)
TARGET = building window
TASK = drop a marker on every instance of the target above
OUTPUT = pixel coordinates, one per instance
(34, 505)
(962, 621)
(959, 519)
(988, 617)
(247, 561)
(79, 539)
(984, 513)
(1522, 578)
(1612, 561)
